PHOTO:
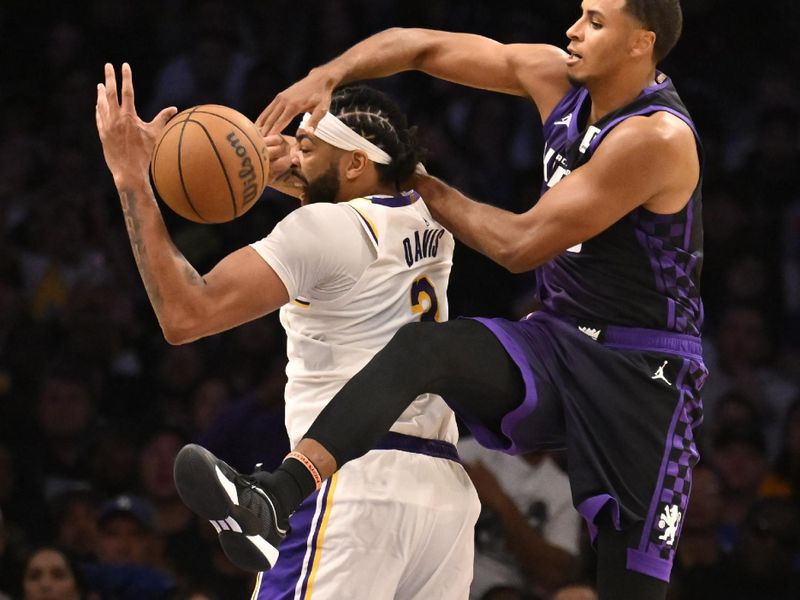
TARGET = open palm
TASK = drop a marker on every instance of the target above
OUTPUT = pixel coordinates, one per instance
(127, 140)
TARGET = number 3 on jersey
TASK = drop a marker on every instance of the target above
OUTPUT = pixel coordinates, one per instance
(423, 300)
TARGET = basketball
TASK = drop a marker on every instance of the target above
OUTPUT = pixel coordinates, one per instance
(210, 164)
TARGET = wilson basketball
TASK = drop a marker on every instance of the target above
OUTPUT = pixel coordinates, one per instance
(210, 164)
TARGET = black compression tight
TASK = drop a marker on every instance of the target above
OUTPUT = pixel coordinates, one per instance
(460, 360)
(614, 580)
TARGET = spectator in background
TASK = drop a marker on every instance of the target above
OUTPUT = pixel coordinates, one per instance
(701, 548)
(208, 401)
(8, 564)
(50, 574)
(788, 463)
(213, 69)
(114, 461)
(65, 411)
(739, 457)
(183, 546)
(526, 539)
(740, 361)
(761, 566)
(128, 553)
(74, 514)
(733, 410)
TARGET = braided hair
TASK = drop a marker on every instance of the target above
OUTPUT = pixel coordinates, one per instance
(376, 117)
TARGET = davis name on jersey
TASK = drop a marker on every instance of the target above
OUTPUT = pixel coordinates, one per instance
(329, 341)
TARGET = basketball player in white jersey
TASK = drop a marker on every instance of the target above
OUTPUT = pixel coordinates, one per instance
(354, 263)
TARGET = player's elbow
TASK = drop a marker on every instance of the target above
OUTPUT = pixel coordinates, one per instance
(183, 326)
(176, 335)
(515, 257)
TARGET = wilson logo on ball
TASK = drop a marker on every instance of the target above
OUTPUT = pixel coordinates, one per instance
(247, 173)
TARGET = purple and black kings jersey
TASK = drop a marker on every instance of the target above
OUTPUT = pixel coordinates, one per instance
(644, 270)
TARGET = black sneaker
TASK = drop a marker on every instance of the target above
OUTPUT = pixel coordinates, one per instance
(240, 509)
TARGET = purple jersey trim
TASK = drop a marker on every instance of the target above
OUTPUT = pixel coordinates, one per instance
(648, 564)
(645, 111)
(591, 507)
(417, 445)
(485, 437)
(404, 199)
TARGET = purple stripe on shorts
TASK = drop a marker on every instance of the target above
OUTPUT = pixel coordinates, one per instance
(648, 564)
(315, 539)
(637, 338)
(279, 583)
(651, 513)
(591, 507)
(688, 346)
(487, 438)
(418, 445)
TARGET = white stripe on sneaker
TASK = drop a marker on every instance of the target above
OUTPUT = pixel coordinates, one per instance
(229, 524)
(269, 552)
(228, 485)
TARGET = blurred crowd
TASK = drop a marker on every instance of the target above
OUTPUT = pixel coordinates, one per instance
(94, 404)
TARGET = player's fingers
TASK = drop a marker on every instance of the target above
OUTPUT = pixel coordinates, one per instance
(284, 117)
(102, 103)
(319, 111)
(274, 140)
(99, 121)
(164, 116)
(265, 119)
(111, 88)
(128, 104)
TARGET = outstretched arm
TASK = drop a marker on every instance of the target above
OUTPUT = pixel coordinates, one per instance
(240, 288)
(645, 161)
(536, 71)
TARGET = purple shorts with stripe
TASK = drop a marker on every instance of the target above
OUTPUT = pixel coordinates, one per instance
(624, 403)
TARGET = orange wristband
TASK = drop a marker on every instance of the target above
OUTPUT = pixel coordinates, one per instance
(308, 465)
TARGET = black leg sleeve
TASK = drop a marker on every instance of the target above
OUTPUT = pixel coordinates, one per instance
(460, 360)
(614, 580)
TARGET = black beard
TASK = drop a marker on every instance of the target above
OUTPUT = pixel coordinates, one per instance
(324, 188)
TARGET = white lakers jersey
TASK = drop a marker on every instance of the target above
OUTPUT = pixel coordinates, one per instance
(333, 334)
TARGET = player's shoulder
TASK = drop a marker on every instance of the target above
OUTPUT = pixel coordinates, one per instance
(660, 132)
(321, 218)
(322, 212)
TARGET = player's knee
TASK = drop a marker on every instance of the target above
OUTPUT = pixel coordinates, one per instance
(412, 337)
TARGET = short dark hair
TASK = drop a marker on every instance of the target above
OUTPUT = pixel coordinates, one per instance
(662, 17)
(376, 117)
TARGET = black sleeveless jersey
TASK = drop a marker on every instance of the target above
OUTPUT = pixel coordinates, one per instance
(644, 270)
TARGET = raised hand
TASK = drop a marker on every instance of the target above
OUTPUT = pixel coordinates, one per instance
(127, 140)
(310, 94)
(283, 173)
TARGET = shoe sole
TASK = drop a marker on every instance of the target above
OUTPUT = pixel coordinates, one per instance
(206, 485)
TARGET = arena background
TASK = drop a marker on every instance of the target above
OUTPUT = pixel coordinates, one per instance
(94, 403)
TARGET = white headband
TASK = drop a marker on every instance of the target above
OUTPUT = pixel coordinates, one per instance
(330, 129)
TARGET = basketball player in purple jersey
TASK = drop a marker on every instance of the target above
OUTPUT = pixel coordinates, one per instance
(610, 368)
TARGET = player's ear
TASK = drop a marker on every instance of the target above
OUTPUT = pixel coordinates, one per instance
(643, 42)
(356, 164)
